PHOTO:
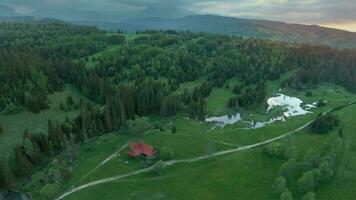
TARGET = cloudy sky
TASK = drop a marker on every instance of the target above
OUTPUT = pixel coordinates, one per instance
(333, 13)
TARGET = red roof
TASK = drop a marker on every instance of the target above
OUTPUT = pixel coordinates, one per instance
(140, 148)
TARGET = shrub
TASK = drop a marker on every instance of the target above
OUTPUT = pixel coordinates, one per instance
(38, 177)
(274, 149)
(290, 152)
(279, 184)
(288, 168)
(174, 129)
(69, 101)
(308, 94)
(326, 171)
(139, 125)
(62, 106)
(50, 191)
(321, 103)
(317, 176)
(166, 153)
(232, 103)
(1, 129)
(311, 160)
(237, 89)
(306, 182)
(309, 196)
(11, 108)
(324, 123)
(158, 168)
(286, 195)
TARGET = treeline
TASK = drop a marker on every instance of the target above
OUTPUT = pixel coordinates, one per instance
(176, 58)
(324, 64)
(26, 79)
(247, 96)
(55, 40)
(35, 60)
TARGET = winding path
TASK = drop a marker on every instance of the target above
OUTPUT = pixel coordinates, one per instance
(172, 162)
(114, 155)
(190, 160)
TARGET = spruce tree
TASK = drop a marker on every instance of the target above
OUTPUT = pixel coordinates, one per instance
(7, 179)
(23, 165)
(84, 120)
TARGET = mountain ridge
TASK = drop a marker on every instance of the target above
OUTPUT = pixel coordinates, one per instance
(264, 29)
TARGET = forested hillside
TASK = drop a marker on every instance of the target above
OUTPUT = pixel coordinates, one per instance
(35, 60)
(143, 77)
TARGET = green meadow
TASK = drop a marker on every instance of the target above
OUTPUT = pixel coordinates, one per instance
(239, 175)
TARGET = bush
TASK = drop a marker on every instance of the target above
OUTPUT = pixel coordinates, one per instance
(279, 184)
(326, 171)
(309, 196)
(50, 191)
(69, 101)
(1, 129)
(324, 123)
(317, 176)
(62, 107)
(290, 152)
(237, 89)
(139, 125)
(158, 168)
(174, 129)
(286, 195)
(11, 109)
(39, 177)
(306, 182)
(308, 94)
(288, 168)
(321, 104)
(274, 149)
(311, 160)
(166, 153)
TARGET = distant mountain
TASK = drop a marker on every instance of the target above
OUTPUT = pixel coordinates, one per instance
(7, 11)
(162, 12)
(30, 19)
(74, 14)
(236, 26)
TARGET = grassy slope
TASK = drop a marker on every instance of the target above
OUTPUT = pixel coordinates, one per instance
(217, 101)
(237, 176)
(15, 124)
(343, 187)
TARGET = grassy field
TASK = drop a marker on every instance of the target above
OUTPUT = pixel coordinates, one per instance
(243, 175)
(16, 124)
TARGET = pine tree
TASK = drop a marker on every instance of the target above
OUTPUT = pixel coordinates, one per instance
(55, 144)
(84, 120)
(7, 179)
(23, 165)
(72, 149)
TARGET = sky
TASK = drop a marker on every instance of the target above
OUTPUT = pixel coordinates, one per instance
(332, 13)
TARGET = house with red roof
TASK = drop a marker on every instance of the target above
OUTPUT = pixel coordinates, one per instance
(141, 148)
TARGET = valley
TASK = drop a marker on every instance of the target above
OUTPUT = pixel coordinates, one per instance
(69, 121)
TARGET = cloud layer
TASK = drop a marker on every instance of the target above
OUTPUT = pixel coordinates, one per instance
(298, 11)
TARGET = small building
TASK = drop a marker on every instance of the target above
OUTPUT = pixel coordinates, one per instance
(141, 148)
